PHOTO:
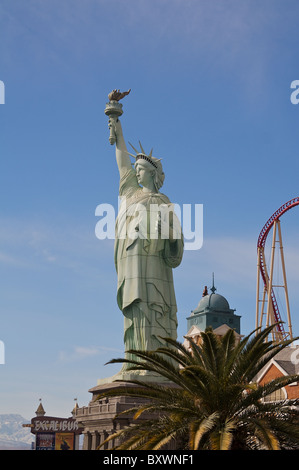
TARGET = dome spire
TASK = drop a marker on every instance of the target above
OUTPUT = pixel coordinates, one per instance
(213, 288)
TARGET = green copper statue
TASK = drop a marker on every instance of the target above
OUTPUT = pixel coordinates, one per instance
(148, 245)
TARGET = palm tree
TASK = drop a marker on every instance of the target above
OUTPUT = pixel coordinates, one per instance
(209, 398)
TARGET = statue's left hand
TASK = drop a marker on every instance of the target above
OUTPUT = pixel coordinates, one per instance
(166, 229)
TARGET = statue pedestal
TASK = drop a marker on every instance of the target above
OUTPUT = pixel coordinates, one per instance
(99, 419)
(126, 375)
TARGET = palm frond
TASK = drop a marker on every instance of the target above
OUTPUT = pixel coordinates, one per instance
(208, 392)
(199, 428)
(221, 439)
(265, 435)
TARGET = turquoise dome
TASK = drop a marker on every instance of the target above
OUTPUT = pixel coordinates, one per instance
(215, 302)
(213, 311)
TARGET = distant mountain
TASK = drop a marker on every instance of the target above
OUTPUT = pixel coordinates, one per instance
(12, 434)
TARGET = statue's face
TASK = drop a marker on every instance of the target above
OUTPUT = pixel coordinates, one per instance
(144, 173)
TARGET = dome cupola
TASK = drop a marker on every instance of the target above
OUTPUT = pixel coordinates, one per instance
(213, 310)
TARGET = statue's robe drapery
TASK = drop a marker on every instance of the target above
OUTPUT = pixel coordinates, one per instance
(145, 291)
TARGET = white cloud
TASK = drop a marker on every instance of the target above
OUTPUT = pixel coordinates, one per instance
(36, 244)
(85, 352)
(7, 259)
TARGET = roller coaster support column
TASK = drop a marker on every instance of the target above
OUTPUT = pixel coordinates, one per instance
(285, 284)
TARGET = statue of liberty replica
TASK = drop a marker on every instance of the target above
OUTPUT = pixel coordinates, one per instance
(148, 243)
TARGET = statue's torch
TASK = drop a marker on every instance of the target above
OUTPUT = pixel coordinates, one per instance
(114, 109)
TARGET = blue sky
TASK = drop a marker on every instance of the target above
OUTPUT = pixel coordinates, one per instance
(210, 92)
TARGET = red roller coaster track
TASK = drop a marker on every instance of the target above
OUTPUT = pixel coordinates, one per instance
(261, 245)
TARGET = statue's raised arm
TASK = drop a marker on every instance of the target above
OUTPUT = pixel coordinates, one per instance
(122, 156)
(114, 111)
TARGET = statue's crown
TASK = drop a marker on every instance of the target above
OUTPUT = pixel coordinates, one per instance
(143, 155)
(147, 158)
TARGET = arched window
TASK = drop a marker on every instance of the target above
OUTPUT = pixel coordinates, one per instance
(278, 395)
